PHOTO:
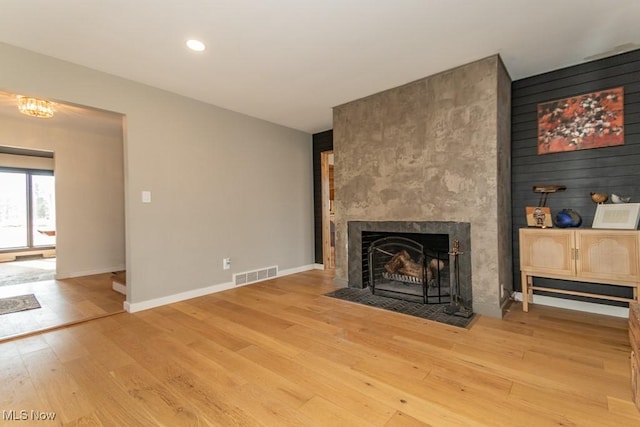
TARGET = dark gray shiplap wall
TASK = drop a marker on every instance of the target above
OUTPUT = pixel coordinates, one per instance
(610, 169)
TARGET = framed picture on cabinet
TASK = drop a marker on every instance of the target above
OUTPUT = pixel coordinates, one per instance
(538, 216)
(621, 216)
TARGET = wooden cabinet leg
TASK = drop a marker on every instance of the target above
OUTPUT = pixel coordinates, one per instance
(525, 292)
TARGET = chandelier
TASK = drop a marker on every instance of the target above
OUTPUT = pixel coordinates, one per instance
(35, 107)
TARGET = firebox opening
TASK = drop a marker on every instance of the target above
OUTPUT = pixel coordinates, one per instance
(409, 266)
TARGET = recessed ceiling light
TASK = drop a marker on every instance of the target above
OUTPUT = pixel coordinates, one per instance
(196, 45)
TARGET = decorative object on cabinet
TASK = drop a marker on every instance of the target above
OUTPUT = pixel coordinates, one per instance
(597, 256)
(620, 199)
(592, 120)
(545, 190)
(568, 218)
(623, 216)
(599, 197)
(538, 217)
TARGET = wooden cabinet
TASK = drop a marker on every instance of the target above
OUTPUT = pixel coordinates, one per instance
(598, 256)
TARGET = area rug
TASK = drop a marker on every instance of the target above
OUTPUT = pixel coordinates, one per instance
(19, 303)
(433, 312)
(13, 273)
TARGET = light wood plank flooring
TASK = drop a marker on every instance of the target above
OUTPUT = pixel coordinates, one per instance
(62, 302)
(279, 353)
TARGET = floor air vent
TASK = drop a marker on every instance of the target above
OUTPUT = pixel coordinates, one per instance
(240, 279)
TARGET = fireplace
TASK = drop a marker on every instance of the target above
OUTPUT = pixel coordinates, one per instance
(436, 149)
(412, 260)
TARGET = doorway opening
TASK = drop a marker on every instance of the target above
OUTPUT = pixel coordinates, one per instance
(328, 210)
(81, 223)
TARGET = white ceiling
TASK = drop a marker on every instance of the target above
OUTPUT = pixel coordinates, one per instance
(291, 61)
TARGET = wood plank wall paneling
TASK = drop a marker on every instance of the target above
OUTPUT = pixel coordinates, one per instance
(610, 169)
(322, 141)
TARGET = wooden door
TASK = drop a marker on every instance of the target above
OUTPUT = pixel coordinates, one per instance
(547, 251)
(608, 255)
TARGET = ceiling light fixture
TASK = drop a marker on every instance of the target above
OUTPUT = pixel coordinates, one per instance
(35, 107)
(196, 45)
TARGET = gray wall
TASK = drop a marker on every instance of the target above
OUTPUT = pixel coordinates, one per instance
(432, 150)
(223, 184)
(89, 192)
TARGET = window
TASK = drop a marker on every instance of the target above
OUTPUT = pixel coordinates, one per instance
(27, 209)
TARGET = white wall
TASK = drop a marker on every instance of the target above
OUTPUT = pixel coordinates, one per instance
(89, 192)
(223, 184)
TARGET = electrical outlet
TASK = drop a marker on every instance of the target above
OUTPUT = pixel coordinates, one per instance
(226, 263)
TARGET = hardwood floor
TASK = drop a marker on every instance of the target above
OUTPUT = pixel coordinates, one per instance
(62, 302)
(279, 353)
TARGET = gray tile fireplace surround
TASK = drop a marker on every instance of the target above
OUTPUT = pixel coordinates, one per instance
(460, 231)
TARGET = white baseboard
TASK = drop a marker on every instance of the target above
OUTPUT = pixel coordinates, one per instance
(119, 287)
(68, 275)
(295, 270)
(318, 266)
(170, 299)
(588, 307)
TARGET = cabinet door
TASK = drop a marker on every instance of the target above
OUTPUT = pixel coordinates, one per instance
(547, 251)
(607, 255)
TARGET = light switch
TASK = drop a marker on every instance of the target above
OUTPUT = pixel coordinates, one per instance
(146, 197)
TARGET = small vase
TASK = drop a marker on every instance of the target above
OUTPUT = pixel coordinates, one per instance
(568, 218)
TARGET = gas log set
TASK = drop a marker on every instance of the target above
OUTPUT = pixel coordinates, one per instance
(404, 269)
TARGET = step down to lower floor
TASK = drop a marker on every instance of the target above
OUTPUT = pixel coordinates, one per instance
(119, 282)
